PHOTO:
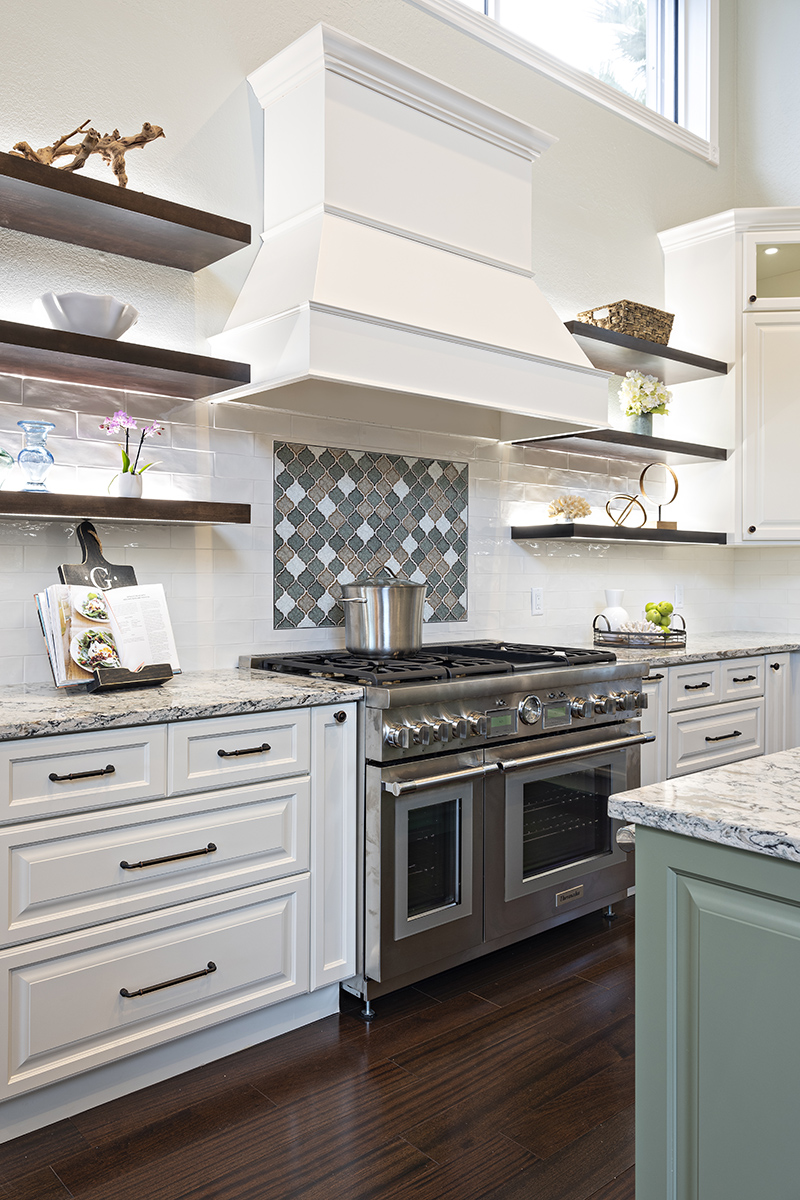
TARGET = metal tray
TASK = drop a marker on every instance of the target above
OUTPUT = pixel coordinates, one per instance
(672, 639)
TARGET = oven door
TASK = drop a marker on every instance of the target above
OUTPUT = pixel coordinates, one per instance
(551, 850)
(424, 864)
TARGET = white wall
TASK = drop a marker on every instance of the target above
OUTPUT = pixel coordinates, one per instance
(601, 194)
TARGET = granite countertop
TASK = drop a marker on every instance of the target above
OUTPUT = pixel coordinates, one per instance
(752, 805)
(35, 710)
(706, 647)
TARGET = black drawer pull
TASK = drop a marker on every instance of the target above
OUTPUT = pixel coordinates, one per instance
(695, 687)
(156, 862)
(340, 717)
(774, 666)
(156, 987)
(262, 749)
(723, 737)
(653, 678)
(744, 679)
(109, 770)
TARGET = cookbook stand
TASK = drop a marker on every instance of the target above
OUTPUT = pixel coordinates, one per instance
(96, 571)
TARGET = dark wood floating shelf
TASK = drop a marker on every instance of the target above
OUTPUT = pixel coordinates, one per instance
(618, 352)
(619, 443)
(41, 353)
(577, 531)
(72, 207)
(54, 506)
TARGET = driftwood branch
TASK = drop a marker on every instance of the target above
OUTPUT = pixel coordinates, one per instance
(111, 147)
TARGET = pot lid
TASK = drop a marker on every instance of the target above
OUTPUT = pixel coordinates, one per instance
(385, 577)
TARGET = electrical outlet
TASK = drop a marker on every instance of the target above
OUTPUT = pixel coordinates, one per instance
(537, 602)
(678, 595)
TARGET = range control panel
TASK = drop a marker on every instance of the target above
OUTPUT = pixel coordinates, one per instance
(513, 716)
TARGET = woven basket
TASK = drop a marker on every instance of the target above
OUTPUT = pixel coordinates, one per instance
(637, 320)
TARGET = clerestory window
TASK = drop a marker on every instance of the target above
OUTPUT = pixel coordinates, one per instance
(653, 61)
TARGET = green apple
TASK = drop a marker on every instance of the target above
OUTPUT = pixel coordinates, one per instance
(665, 608)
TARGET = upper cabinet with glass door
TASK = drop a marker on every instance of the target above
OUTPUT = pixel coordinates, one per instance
(772, 271)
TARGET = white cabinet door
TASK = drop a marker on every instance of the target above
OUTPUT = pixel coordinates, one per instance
(334, 789)
(710, 737)
(44, 776)
(778, 695)
(82, 870)
(244, 749)
(72, 1003)
(771, 426)
(655, 720)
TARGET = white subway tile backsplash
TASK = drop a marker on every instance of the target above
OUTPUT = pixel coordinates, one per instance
(219, 580)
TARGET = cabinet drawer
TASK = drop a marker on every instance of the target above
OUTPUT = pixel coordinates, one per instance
(62, 997)
(742, 678)
(722, 734)
(694, 685)
(68, 873)
(217, 753)
(138, 757)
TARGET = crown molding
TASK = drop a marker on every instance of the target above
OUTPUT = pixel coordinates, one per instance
(326, 49)
(731, 221)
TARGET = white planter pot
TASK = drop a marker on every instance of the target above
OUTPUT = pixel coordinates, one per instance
(128, 485)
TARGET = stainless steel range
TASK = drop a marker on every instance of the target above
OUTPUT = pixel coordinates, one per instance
(487, 772)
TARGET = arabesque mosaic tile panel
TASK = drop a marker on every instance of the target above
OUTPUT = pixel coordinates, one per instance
(341, 514)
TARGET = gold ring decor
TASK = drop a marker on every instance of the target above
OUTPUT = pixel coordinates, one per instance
(660, 503)
(633, 504)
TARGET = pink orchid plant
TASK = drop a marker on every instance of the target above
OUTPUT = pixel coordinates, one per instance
(120, 421)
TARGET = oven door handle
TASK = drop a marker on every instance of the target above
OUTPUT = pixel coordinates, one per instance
(426, 781)
(556, 756)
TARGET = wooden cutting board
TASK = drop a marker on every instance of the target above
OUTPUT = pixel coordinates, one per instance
(95, 570)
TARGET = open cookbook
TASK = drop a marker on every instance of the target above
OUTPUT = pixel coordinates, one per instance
(86, 629)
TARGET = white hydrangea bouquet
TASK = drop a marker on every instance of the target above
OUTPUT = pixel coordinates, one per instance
(641, 394)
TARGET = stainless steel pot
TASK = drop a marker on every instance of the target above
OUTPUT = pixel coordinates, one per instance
(383, 614)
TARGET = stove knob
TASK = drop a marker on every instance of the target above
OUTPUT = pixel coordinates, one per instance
(640, 699)
(619, 701)
(580, 707)
(530, 710)
(397, 735)
(602, 704)
(422, 734)
(441, 731)
(477, 725)
(460, 728)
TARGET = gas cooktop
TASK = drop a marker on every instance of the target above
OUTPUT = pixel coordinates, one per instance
(449, 660)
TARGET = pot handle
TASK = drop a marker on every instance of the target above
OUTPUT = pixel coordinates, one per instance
(386, 571)
(352, 600)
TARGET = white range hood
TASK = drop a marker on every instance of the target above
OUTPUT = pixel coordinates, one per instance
(397, 256)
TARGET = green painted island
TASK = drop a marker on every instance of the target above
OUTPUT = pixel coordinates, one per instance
(718, 982)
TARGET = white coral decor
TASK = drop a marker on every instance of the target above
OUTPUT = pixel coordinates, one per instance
(640, 394)
(573, 507)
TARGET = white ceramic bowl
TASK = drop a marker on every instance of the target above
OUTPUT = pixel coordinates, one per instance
(80, 312)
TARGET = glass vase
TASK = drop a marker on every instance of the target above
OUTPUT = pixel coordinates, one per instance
(642, 424)
(34, 459)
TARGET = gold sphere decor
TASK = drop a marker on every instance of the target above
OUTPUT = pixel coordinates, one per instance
(632, 506)
(660, 503)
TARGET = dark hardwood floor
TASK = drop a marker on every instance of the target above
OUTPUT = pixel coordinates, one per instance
(509, 1077)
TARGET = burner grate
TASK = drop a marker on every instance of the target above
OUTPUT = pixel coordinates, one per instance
(451, 661)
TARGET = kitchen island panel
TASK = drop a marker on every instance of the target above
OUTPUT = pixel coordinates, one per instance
(718, 1057)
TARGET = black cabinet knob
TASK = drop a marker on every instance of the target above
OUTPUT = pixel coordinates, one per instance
(751, 528)
(340, 717)
(752, 299)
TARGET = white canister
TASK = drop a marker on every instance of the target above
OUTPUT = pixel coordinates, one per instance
(614, 613)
